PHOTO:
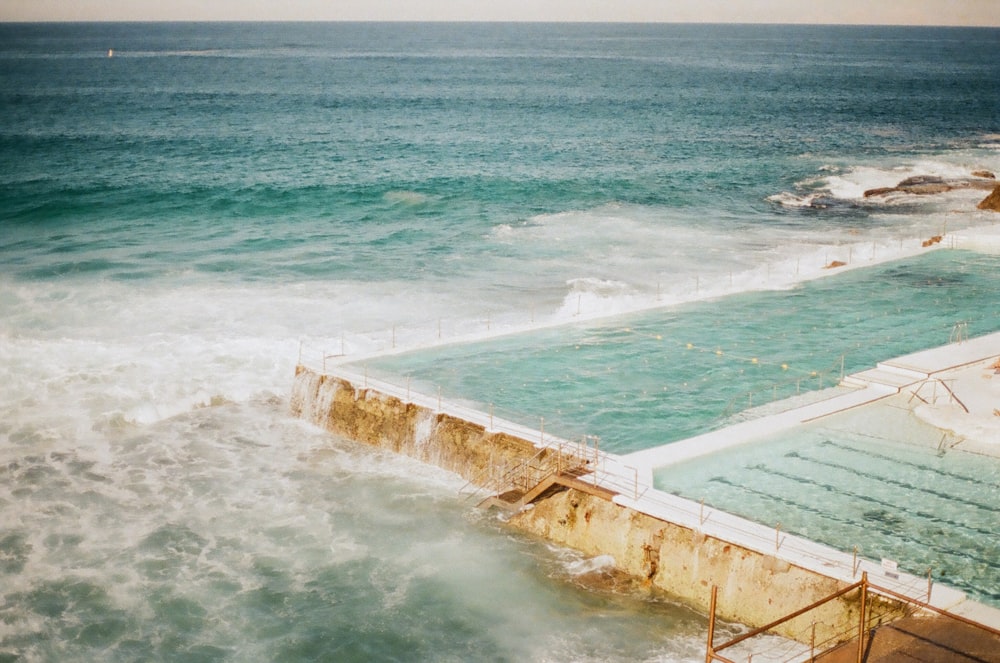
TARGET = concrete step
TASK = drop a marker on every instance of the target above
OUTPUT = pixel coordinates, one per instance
(885, 376)
(913, 373)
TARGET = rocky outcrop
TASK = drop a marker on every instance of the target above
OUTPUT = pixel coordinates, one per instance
(992, 201)
(923, 185)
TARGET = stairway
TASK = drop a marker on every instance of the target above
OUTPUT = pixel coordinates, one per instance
(514, 500)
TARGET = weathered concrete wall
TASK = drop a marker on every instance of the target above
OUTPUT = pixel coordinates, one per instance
(754, 588)
(387, 422)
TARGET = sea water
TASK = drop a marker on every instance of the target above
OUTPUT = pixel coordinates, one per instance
(179, 218)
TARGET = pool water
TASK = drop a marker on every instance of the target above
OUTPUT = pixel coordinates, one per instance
(646, 379)
(875, 478)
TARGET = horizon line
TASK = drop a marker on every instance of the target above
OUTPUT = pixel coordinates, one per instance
(512, 21)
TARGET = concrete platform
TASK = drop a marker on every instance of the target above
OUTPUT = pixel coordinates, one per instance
(928, 639)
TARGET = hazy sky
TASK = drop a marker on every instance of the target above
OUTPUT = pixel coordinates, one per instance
(905, 12)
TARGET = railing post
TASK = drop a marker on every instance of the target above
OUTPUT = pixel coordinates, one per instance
(597, 458)
(862, 617)
(710, 651)
(930, 585)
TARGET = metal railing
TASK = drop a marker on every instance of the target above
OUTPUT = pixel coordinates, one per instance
(870, 617)
(554, 453)
(521, 476)
(745, 401)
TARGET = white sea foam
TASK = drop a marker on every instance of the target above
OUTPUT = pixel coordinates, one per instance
(587, 565)
(849, 184)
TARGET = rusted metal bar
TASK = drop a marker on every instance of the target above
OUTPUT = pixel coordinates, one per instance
(861, 619)
(710, 651)
(789, 617)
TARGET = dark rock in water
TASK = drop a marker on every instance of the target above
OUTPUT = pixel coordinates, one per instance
(881, 191)
(927, 189)
(920, 180)
(992, 201)
(924, 185)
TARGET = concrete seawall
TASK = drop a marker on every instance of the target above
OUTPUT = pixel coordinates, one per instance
(385, 421)
(754, 588)
(683, 560)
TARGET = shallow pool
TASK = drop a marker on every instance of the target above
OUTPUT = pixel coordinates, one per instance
(875, 478)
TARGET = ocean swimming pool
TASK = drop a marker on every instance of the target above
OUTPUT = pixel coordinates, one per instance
(875, 478)
(651, 378)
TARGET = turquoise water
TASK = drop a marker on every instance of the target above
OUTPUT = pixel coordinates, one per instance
(876, 479)
(175, 220)
(643, 380)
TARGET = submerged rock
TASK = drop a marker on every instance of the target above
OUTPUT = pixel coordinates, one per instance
(992, 201)
(985, 174)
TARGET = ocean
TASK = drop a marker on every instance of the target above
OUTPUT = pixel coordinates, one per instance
(187, 208)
